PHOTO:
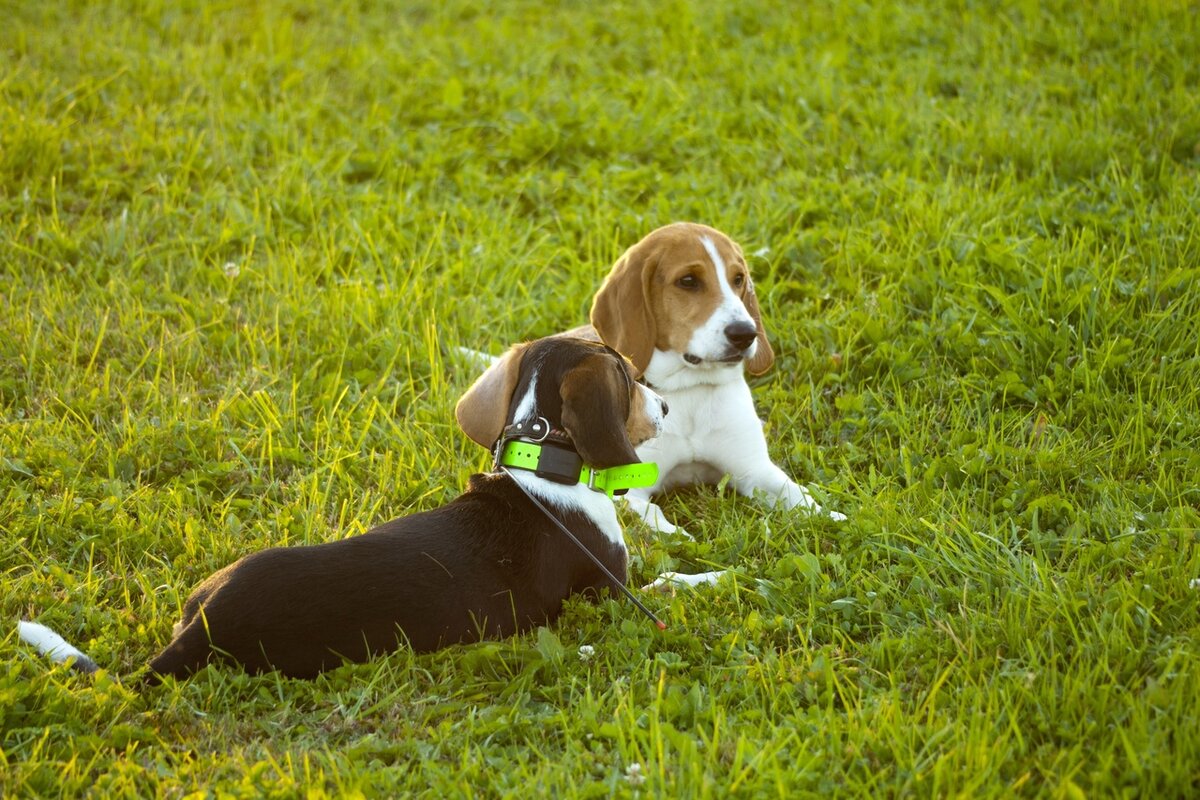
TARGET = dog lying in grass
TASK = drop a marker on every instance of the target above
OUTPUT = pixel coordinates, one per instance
(565, 415)
(681, 305)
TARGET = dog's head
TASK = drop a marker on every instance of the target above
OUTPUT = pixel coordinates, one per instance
(579, 387)
(683, 288)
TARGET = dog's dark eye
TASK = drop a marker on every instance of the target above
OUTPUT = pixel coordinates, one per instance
(688, 282)
(739, 281)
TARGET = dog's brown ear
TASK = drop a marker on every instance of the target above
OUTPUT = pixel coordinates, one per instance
(595, 405)
(764, 356)
(621, 312)
(483, 410)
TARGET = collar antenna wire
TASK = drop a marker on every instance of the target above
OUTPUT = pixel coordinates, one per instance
(662, 626)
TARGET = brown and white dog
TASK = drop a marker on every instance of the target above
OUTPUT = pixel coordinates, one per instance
(487, 565)
(681, 305)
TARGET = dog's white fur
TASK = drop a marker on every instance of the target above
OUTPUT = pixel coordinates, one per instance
(50, 643)
(708, 340)
(580, 498)
(712, 429)
(668, 582)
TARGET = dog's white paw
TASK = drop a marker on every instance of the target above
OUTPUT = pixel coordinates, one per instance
(669, 582)
(797, 497)
(654, 517)
(818, 511)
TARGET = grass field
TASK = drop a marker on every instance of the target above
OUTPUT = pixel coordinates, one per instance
(239, 241)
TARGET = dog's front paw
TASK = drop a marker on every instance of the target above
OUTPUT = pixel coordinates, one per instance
(654, 517)
(662, 584)
(797, 497)
(669, 582)
(818, 511)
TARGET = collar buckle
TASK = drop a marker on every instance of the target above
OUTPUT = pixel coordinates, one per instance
(538, 431)
(540, 428)
(535, 432)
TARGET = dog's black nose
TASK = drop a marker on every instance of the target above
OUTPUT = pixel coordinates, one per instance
(741, 334)
(665, 408)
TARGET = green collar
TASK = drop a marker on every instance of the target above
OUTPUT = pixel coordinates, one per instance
(564, 466)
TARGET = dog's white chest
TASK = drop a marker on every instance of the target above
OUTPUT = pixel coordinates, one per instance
(707, 429)
(579, 498)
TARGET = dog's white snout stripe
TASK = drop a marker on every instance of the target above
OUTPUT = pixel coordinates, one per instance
(711, 339)
(731, 304)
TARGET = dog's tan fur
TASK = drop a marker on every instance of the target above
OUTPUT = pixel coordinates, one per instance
(643, 304)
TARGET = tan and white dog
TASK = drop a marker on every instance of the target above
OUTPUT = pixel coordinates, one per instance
(681, 305)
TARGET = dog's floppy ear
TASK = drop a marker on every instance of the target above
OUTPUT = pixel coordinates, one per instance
(621, 312)
(764, 356)
(595, 405)
(483, 410)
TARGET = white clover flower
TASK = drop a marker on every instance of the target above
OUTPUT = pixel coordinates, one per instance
(1194, 583)
(586, 651)
(231, 269)
(633, 774)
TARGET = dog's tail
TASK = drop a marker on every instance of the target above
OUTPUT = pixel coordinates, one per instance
(477, 358)
(50, 643)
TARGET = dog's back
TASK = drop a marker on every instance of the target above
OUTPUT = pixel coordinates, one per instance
(485, 566)
(491, 563)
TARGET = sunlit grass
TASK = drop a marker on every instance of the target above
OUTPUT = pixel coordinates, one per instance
(238, 246)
